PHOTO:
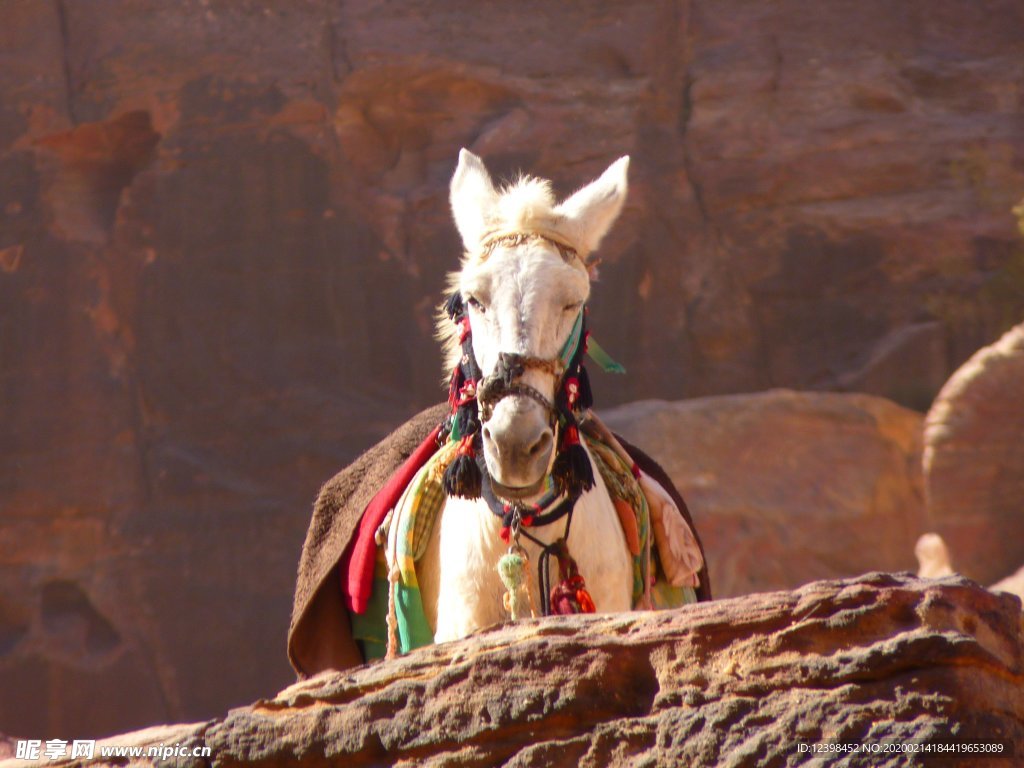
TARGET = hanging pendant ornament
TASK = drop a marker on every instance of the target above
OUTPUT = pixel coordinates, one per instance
(514, 569)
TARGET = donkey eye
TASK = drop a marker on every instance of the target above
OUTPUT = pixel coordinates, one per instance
(572, 307)
(475, 303)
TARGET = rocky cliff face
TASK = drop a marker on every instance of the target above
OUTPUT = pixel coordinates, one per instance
(974, 460)
(875, 661)
(790, 487)
(223, 229)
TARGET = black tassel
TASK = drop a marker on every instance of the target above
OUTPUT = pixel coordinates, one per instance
(465, 419)
(463, 478)
(572, 471)
(453, 305)
(586, 394)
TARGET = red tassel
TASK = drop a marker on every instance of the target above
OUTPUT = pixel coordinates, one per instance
(585, 601)
(453, 387)
(561, 602)
(571, 596)
(572, 436)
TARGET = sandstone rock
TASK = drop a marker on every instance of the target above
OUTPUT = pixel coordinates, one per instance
(934, 562)
(974, 461)
(878, 660)
(932, 555)
(789, 487)
(223, 228)
(1014, 584)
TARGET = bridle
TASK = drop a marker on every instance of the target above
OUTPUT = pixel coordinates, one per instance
(506, 378)
(505, 381)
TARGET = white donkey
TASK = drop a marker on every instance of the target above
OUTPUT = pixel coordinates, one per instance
(524, 282)
(519, 298)
(513, 499)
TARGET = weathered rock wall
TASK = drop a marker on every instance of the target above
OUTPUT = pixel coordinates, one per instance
(789, 487)
(223, 228)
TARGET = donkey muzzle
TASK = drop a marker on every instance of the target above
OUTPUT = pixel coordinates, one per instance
(518, 450)
(518, 434)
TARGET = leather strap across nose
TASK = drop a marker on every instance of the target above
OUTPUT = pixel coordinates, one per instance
(504, 381)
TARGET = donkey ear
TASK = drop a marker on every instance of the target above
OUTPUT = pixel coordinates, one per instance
(472, 198)
(591, 212)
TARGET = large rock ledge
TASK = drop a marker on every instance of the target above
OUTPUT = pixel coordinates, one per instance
(745, 681)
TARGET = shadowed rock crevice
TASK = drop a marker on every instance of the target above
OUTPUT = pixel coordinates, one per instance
(72, 625)
(14, 625)
(65, 45)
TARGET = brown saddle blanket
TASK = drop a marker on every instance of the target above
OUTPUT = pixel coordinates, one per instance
(319, 637)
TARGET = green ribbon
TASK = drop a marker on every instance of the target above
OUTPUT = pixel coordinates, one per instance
(569, 348)
(596, 353)
(594, 350)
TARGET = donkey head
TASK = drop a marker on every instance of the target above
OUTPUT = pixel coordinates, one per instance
(525, 280)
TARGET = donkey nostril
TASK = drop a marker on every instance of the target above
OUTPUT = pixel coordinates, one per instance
(540, 446)
(487, 434)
